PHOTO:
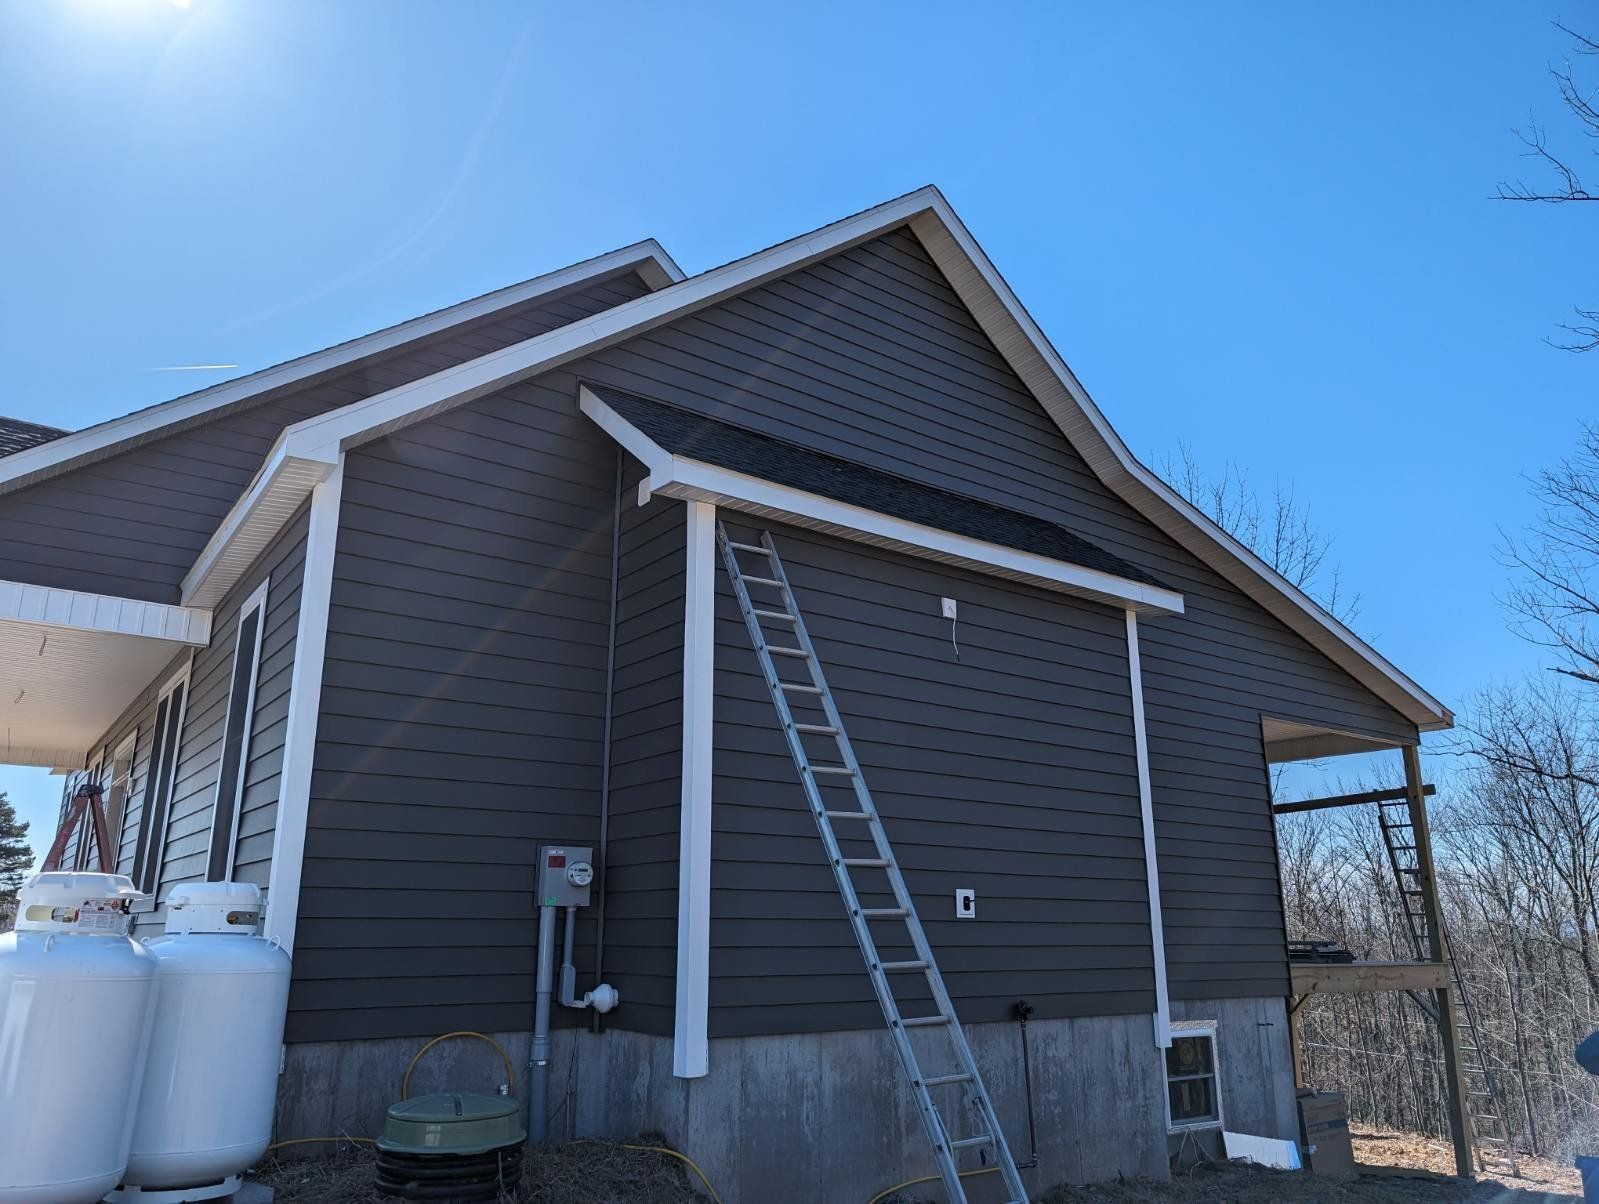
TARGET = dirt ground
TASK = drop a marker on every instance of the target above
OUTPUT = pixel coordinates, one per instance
(607, 1172)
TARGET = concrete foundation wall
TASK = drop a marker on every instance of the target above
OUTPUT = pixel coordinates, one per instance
(824, 1117)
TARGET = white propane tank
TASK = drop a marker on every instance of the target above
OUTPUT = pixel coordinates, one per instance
(75, 1008)
(211, 1082)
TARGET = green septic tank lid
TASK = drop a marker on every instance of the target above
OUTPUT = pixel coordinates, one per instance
(452, 1123)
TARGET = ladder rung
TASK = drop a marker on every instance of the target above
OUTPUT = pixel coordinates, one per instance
(797, 686)
(923, 1021)
(775, 650)
(901, 967)
(751, 547)
(876, 863)
(885, 913)
(776, 614)
(841, 770)
(849, 815)
(815, 729)
(748, 580)
(966, 1143)
(940, 1080)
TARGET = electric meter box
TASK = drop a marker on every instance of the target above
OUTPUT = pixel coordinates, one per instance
(566, 873)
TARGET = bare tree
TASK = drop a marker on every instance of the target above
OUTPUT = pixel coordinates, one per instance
(1554, 600)
(1277, 528)
(1566, 185)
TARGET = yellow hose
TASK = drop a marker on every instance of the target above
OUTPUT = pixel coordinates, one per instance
(661, 1149)
(883, 1195)
(278, 1145)
(510, 1074)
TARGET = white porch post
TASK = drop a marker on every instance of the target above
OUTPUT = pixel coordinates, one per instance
(1157, 933)
(690, 1057)
(305, 700)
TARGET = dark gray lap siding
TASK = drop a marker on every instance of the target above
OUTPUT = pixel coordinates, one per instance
(871, 355)
(132, 525)
(461, 718)
(1009, 769)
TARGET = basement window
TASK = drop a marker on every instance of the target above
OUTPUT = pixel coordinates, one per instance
(236, 736)
(1193, 1088)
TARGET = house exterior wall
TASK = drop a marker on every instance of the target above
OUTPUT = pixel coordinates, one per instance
(999, 751)
(132, 525)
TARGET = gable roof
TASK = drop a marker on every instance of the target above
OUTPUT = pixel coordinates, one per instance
(680, 432)
(17, 435)
(308, 451)
(28, 463)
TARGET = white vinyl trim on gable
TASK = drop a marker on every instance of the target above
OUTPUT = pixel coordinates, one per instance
(696, 481)
(305, 701)
(690, 1037)
(648, 258)
(83, 611)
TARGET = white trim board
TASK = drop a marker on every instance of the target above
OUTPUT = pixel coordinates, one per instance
(1146, 812)
(82, 611)
(696, 481)
(1002, 318)
(647, 258)
(305, 701)
(690, 1036)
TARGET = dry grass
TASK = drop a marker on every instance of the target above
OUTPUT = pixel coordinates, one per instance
(575, 1172)
(604, 1172)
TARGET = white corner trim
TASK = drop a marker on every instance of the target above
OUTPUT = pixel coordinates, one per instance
(305, 700)
(648, 258)
(1146, 811)
(252, 522)
(694, 480)
(690, 1044)
(82, 611)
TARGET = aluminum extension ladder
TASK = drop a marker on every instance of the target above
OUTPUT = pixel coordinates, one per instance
(1482, 1093)
(844, 770)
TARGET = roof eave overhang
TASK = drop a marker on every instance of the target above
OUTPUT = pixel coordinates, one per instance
(688, 479)
(20, 469)
(1003, 319)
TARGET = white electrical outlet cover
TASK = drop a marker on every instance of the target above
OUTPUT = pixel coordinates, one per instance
(948, 605)
(965, 903)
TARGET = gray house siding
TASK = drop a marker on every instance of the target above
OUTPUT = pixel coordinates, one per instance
(461, 718)
(132, 525)
(872, 354)
(194, 787)
(646, 765)
(1007, 766)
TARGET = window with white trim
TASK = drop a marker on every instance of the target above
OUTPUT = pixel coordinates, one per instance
(1193, 1086)
(84, 847)
(165, 745)
(236, 736)
(118, 784)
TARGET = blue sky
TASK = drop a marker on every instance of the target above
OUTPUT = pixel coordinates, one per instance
(1263, 230)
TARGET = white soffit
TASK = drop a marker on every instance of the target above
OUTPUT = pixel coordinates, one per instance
(647, 258)
(1002, 318)
(71, 662)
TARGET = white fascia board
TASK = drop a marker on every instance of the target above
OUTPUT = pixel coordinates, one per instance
(22, 468)
(1007, 322)
(76, 609)
(695, 480)
(278, 490)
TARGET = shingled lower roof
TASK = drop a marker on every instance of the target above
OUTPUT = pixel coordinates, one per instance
(17, 435)
(696, 436)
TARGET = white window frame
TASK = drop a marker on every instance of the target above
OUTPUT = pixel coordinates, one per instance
(255, 603)
(109, 756)
(1194, 1028)
(156, 850)
(83, 839)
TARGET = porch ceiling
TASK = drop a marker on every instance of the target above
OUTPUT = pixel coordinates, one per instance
(71, 662)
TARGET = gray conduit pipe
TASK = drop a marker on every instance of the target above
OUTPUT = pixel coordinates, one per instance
(538, 1103)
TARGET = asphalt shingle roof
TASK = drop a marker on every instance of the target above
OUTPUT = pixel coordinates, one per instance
(17, 435)
(683, 432)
